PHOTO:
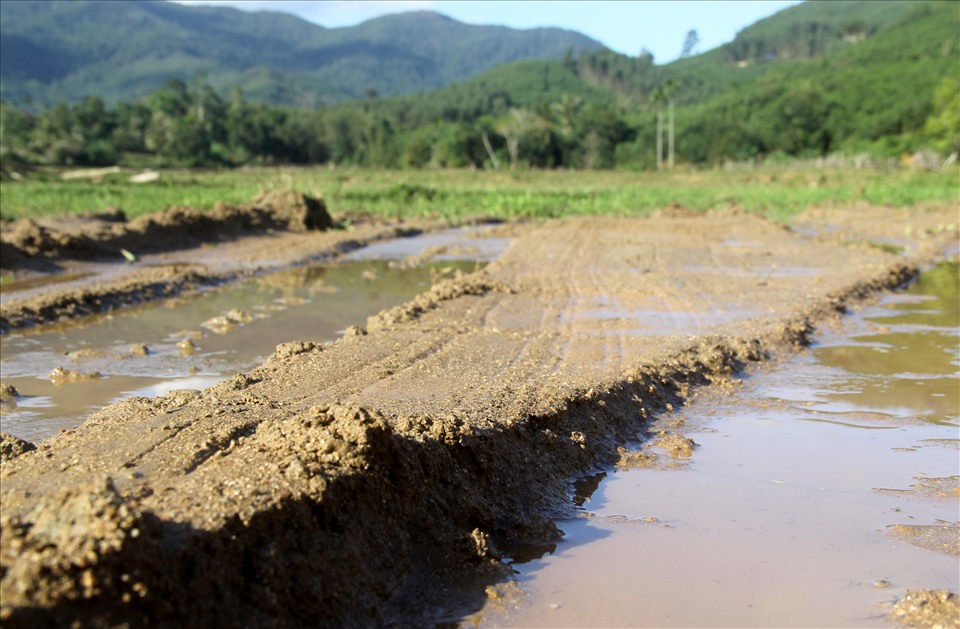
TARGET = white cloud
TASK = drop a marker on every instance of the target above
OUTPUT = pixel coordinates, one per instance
(331, 13)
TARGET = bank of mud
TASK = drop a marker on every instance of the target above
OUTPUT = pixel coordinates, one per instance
(351, 482)
(93, 263)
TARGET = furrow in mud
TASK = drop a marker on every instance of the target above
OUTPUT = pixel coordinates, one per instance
(305, 493)
(179, 251)
(104, 298)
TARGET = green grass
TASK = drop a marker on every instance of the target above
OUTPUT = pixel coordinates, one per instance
(776, 192)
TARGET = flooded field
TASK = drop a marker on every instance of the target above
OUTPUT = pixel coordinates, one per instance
(63, 373)
(377, 479)
(819, 491)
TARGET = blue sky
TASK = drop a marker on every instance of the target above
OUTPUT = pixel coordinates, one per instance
(659, 26)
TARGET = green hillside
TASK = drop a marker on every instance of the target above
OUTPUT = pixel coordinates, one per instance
(812, 29)
(66, 50)
(891, 87)
(876, 95)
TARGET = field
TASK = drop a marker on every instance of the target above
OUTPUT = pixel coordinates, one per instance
(459, 421)
(777, 192)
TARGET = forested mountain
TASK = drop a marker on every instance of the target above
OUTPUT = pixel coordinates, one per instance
(812, 29)
(65, 50)
(816, 79)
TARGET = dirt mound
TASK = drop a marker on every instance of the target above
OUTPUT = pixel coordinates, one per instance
(351, 483)
(297, 211)
(12, 447)
(104, 234)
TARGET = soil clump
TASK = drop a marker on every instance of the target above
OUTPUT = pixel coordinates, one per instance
(927, 608)
(343, 483)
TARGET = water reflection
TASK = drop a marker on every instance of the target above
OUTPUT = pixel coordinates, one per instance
(140, 351)
(820, 492)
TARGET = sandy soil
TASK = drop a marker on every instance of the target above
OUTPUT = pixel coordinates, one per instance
(352, 482)
(76, 266)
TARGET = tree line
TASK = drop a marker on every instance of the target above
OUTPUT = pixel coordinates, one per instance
(191, 125)
(482, 125)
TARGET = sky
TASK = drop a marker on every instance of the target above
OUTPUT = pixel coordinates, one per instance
(660, 26)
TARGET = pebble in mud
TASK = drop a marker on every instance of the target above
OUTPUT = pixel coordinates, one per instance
(354, 331)
(224, 323)
(60, 376)
(186, 347)
(85, 353)
(139, 349)
(218, 325)
(9, 394)
(239, 316)
(677, 445)
(630, 459)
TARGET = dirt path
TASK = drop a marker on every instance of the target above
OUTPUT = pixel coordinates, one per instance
(343, 483)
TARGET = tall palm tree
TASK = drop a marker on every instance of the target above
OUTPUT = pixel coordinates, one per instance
(659, 98)
(669, 87)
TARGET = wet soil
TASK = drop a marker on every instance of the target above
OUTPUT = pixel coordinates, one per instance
(812, 492)
(347, 483)
(61, 269)
(196, 341)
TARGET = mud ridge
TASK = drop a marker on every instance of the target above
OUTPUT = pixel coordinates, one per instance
(140, 284)
(352, 483)
(255, 571)
(100, 234)
(264, 569)
(470, 284)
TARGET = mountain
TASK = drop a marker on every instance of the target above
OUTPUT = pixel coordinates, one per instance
(817, 79)
(56, 51)
(812, 29)
(812, 36)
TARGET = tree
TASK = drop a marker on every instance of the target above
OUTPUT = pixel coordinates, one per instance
(132, 120)
(799, 121)
(669, 87)
(659, 98)
(689, 43)
(15, 127)
(513, 128)
(567, 111)
(943, 125)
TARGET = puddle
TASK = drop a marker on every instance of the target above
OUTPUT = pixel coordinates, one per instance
(193, 343)
(819, 492)
(451, 244)
(16, 286)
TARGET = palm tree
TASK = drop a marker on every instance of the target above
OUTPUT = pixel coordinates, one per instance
(669, 86)
(658, 97)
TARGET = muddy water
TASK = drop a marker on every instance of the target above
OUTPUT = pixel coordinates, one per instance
(820, 490)
(193, 343)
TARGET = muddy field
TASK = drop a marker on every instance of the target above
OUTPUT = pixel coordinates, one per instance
(352, 482)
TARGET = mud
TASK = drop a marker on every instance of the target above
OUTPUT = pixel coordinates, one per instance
(928, 608)
(746, 532)
(76, 266)
(107, 233)
(943, 538)
(347, 483)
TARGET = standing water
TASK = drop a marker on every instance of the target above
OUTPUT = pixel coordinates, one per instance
(64, 373)
(819, 492)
